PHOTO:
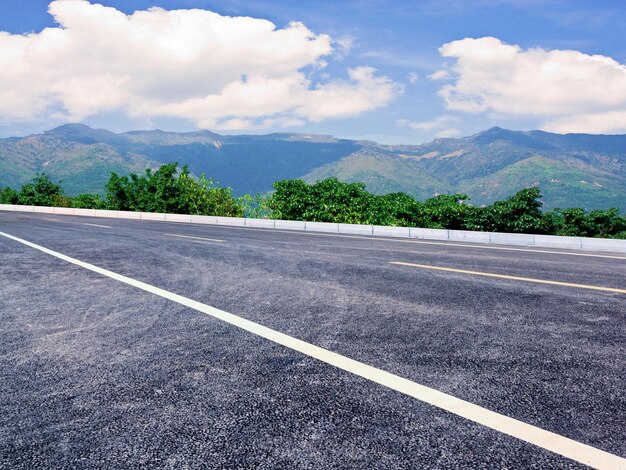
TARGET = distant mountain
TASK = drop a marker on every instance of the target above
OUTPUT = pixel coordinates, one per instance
(579, 170)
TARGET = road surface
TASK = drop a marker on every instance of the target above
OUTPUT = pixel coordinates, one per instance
(98, 371)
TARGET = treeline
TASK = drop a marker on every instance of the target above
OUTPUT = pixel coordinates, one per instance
(172, 190)
(333, 201)
(166, 190)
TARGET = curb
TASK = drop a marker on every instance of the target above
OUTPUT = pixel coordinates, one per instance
(492, 238)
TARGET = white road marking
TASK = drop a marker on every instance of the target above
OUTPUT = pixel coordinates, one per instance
(194, 238)
(51, 219)
(97, 225)
(548, 440)
(412, 240)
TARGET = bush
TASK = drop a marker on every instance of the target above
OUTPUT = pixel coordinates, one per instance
(9, 196)
(41, 191)
(578, 223)
(449, 211)
(88, 201)
(328, 200)
(256, 206)
(396, 209)
(170, 191)
(520, 213)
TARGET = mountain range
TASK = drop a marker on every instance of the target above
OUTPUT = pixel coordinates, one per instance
(573, 170)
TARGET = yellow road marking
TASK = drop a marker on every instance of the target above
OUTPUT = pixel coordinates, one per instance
(194, 238)
(514, 278)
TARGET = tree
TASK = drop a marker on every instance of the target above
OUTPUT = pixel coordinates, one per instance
(520, 213)
(172, 191)
(88, 201)
(449, 211)
(42, 191)
(9, 196)
(578, 223)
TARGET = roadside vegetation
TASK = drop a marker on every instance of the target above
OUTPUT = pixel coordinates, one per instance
(174, 190)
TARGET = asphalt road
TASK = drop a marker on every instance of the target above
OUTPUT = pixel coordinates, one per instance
(95, 373)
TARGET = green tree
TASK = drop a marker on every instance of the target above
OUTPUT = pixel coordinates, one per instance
(396, 209)
(520, 213)
(9, 196)
(328, 200)
(88, 201)
(578, 223)
(449, 211)
(42, 191)
(256, 206)
(170, 190)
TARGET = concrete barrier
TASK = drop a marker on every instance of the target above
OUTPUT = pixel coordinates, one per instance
(513, 239)
(204, 219)
(104, 213)
(289, 225)
(63, 210)
(261, 223)
(129, 215)
(152, 216)
(429, 233)
(356, 229)
(177, 218)
(519, 239)
(468, 236)
(602, 244)
(85, 212)
(234, 221)
(552, 241)
(383, 231)
(16, 208)
(321, 227)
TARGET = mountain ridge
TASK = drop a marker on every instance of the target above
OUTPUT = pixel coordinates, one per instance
(581, 170)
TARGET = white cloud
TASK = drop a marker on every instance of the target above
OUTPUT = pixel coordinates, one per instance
(440, 75)
(439, 127)
(412, 77)
(447, 133)
(613, 122)
(569, 91)
(344, 46)
(218, 71)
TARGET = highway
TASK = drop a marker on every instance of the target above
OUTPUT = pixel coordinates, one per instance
(128, 344)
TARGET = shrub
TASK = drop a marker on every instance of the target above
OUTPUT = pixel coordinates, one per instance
(42, 191)
(171, 191)
(88, 201)
(9, 196)
(520, 213)
(578, 223)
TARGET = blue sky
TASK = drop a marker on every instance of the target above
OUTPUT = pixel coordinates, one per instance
(549, 64)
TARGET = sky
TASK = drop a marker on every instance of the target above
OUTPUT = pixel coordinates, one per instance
(388, 71)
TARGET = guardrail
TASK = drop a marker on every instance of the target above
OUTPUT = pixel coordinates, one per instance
(515, 239)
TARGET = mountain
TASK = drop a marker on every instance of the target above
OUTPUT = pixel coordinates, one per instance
(574, 170)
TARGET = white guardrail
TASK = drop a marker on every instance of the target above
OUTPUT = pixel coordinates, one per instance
(515, 239)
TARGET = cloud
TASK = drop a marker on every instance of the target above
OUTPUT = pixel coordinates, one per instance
(344, 46)
(440, 75)
(442, 126)
(218, 71)
(412, 77)
(569, 91)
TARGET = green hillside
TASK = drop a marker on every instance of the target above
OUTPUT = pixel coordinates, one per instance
(581, 170)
